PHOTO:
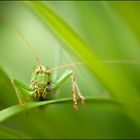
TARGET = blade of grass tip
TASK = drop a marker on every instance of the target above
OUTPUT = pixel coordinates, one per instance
(13, 110)
(81, 49)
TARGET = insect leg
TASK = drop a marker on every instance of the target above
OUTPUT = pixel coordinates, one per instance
(22, 85)
(16, 85)
(21, 101)
(62, 79)
(80, 95)
(74, 92)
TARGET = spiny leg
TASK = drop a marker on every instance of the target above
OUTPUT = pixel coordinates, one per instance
(20, 99)
(74, 92)
(80, 95)
(16, 85)
(62, 79)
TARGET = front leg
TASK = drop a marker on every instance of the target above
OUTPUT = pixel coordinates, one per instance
(16, 84)
(75, 88)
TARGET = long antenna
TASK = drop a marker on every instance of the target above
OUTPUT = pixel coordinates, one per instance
(65, 66)
(121, 61)
(7, 19)
(102, 61)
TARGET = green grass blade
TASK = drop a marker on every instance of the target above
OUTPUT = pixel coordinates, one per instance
(96, 102)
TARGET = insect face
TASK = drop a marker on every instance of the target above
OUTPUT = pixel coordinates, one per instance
(41, 75)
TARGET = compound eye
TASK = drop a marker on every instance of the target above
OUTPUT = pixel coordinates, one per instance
(37, 71)
(48, 83)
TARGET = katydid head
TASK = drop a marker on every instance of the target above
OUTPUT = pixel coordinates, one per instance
(41, 75)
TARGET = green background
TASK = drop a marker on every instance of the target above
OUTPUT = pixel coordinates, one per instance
(105, 35)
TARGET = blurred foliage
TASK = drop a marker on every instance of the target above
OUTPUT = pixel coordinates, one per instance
(67, 32)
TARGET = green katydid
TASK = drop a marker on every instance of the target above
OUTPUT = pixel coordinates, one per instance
(42, 87)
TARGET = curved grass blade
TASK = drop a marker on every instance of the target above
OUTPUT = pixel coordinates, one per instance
(97, 102)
